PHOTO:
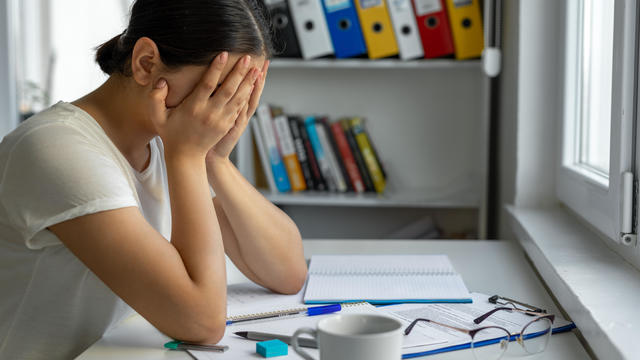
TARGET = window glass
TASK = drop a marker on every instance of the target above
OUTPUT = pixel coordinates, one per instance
(596, 57)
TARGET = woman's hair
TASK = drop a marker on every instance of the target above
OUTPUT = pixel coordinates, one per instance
(189, 32)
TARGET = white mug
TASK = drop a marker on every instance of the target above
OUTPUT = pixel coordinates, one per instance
(354, 337)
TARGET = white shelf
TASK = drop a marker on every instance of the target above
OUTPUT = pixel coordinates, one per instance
(374, 64)
(405, 199)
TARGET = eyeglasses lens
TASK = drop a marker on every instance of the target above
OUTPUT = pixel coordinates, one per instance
(535, 336)
(490, 343)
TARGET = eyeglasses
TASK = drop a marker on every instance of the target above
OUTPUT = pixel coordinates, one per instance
(491, 342)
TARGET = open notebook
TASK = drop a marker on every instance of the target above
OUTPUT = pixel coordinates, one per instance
(381, 279)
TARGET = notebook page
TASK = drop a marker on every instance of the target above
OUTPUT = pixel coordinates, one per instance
(380, 264)
(383, 278)
(250, 298)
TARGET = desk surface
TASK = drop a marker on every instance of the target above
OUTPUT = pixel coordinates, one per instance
(491, 267)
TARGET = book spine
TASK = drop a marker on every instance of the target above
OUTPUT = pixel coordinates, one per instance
(302, 153)
(288, 151)
(341, 185)
(364, 144)
(271, 145)
(347, 157)
(320, 183)
(357, 155)
(323, 162)
(264, 156)
(336, 153)
(375, 151)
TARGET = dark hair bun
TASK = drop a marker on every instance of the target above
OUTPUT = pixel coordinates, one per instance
(106, 55)
(189, 32)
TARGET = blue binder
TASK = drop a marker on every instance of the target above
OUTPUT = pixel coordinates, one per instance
(344, 28)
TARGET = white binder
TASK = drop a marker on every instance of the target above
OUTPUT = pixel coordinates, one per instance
(405, 28)
(311, 28)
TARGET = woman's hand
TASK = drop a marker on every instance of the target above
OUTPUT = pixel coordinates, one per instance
(202, 120)
(222, 149)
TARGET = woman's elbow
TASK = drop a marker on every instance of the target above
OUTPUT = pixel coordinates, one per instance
(206, 332)
(295, 281)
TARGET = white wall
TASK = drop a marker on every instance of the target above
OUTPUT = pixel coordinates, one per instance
(8, 100)
(540, 64)
(530, 104)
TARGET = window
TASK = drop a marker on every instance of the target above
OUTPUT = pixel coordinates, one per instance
(597, 141)
(56, 51)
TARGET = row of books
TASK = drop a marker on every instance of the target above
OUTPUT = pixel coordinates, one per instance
(409, 29)
(312, 153)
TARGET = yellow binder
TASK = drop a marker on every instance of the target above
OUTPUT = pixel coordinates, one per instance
(466, 26)
(377, 28)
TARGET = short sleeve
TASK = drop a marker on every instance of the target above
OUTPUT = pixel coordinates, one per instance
(56, 173)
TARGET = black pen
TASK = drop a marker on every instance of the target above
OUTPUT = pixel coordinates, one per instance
(259, 336)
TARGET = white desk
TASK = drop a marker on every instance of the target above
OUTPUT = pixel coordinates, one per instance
(491, 267)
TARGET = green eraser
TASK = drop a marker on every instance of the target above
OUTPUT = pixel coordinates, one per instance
(272, 348)
(173, 345)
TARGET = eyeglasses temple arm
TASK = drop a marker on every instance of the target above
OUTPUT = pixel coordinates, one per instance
(482, 318)
(410, 327)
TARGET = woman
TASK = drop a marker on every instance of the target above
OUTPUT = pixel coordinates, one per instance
(92, 190)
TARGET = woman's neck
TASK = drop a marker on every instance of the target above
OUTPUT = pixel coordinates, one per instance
(117, 108)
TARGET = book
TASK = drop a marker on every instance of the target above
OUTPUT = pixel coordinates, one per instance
(271, 146)
(384, 279)
(318, 150)
(347, 157)
(320, 183)
(244, 156)
(357, 155)
(336, 153)
(288, 152)
(330, 156)
(462, 316)
(368, 154)
(264, 155)
(303, 158)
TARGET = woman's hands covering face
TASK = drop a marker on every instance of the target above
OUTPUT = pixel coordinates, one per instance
(222, 149)
(201, 121)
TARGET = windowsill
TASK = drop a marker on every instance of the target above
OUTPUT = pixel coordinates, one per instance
(597, 288)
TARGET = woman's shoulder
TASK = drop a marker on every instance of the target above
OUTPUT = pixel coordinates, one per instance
(61, 126)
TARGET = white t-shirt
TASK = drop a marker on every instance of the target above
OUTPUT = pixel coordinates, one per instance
(56, 166)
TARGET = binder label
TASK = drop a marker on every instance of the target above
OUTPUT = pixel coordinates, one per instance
(424, 7)
(335, 5)
(400, 5)
(366, 4)
(459, 3)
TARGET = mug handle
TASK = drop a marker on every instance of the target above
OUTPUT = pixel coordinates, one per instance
(294, 341)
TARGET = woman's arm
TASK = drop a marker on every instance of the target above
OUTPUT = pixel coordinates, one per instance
(261, 240)
(180, 287)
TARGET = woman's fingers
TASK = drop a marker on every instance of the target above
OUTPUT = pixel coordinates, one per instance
(257, 92)
(231, 83)
(243, 93)
(158, 107)
(209, 82)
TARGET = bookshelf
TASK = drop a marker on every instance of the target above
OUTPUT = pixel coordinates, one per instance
(427, 120)
(418, 198)
(374, 64)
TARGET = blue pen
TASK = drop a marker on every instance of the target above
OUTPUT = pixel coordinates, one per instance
(312, 311)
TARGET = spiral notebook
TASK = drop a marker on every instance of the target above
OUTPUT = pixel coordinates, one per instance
(384, 279)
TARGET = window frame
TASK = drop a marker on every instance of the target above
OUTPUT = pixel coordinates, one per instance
(590, 196)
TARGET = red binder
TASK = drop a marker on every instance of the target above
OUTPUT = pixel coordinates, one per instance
(433, 24)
